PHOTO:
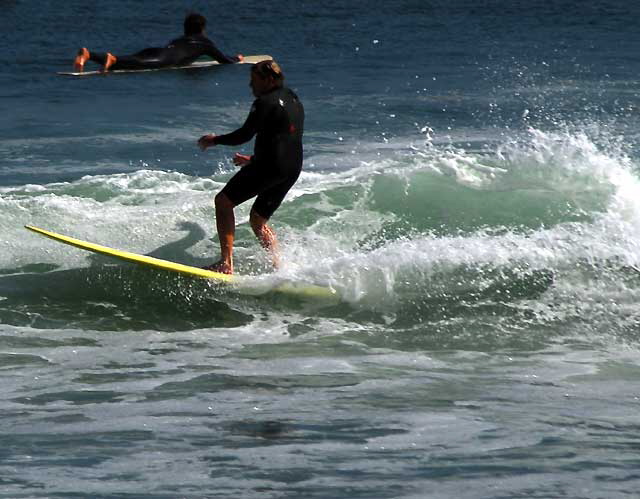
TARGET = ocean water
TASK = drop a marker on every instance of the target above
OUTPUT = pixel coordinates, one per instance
(471, 191)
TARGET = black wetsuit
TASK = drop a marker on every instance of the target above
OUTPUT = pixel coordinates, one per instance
(180, 52)
(277, 120)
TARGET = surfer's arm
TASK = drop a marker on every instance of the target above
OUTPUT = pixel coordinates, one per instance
(212, 51)
(243, 134)
(240, 136)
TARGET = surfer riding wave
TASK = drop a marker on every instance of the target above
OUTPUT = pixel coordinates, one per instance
(277, 120)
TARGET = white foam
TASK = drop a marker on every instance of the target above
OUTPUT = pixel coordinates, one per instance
(144, 210)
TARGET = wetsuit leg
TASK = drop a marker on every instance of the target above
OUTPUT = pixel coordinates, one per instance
(150, 58)
(259, 180)
(98, 57)
(270, 199)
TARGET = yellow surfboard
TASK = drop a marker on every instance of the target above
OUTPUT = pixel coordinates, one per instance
(292, 288)
(133, 257)
(249, 59)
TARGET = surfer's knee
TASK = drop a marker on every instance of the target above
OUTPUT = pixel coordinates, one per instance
(222, 202)
(263, 232)
(257, 222)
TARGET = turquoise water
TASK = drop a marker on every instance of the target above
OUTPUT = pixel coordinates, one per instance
(470, 192)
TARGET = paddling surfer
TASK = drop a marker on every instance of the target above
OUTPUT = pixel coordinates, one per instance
(180, 52)
(277, 120)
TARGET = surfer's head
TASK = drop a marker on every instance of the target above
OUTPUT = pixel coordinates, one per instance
(265, 76)
(194, 24)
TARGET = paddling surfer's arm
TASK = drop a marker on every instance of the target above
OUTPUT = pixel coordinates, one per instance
(191, 47)
(212, 51)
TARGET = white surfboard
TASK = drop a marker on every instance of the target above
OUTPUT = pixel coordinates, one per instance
(249, 59)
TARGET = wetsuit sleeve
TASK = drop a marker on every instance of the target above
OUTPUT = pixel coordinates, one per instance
(212, 51)
(246, 132)
(189, 48)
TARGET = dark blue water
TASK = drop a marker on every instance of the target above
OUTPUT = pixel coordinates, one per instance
(470, 192)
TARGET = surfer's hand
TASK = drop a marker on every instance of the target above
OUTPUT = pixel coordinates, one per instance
(207, 141)
(240, 57)
(241, 159)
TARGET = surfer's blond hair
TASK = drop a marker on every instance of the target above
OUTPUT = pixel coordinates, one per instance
(269, 69)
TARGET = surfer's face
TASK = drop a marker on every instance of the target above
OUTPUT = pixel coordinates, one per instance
(260, 85)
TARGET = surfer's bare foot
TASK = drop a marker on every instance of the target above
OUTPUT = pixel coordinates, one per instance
(222, 267)
(109, 61)
(81, 58)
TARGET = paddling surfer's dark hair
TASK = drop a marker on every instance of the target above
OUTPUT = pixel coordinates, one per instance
(269, 69)
(194, 24)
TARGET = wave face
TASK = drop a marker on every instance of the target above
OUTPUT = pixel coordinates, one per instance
(424, 233)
